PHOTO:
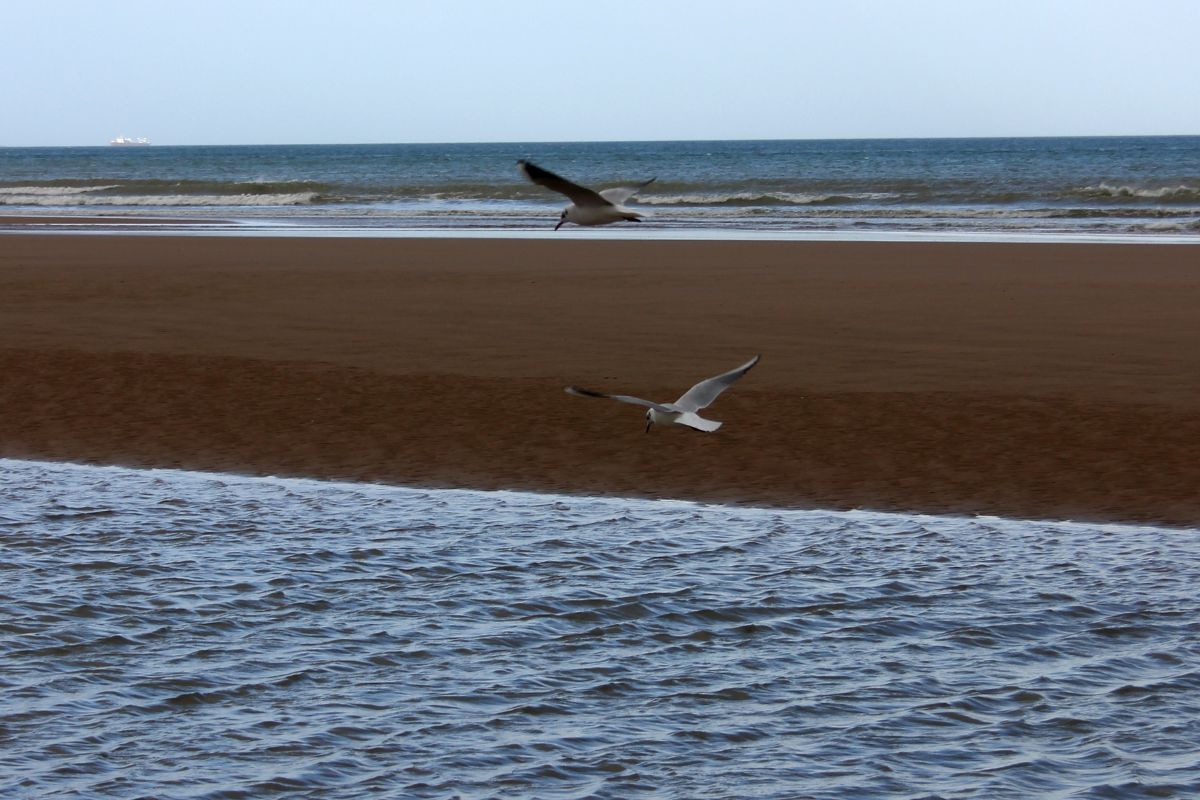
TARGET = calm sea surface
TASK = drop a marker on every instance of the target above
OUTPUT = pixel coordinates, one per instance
(179, 635)
(1147, 186)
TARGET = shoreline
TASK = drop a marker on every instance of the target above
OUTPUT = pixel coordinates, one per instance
(544, 496)
(231, 225)
(1016, 380)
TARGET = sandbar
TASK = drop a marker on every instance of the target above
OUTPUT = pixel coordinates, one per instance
(1023, 380)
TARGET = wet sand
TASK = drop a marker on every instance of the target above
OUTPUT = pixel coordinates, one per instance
(1025, 380)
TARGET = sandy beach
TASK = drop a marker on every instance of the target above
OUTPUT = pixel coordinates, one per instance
(1024, 380)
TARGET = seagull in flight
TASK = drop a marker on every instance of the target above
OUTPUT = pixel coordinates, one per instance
(682, 411)
(587, 207)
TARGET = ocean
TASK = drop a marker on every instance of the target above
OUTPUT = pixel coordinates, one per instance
(182, 635)
(1147, 187)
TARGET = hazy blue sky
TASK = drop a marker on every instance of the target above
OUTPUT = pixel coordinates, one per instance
(78, 72)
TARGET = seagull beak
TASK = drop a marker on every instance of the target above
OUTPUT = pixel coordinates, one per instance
(561, 222)
(649, 422)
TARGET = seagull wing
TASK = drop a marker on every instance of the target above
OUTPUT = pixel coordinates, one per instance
(703, 393)
(619, 194)
(624, 398)
(580, 195)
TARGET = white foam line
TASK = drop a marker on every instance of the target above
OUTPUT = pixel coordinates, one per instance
(276, 228)
(541, 498)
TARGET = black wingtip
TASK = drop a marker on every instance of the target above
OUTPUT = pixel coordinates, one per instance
(533, 172)
(579, 391)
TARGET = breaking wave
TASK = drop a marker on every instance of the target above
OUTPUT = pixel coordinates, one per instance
(156, 192)
(76, 199)
(1182, 193)
(752, 198)
(891, 197)
(1169, 227)
(49, 191)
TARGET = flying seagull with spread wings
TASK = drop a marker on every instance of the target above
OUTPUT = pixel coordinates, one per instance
(587, 207)
(682, 411)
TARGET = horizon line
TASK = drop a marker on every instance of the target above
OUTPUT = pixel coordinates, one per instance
(622, 141)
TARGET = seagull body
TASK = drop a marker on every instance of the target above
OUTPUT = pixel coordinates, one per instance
(587, 207)
(682, 411)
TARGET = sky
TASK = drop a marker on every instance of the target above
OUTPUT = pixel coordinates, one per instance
(80, 72)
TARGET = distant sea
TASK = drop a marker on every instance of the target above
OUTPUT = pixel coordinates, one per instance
(1144, 186)
(183, 635)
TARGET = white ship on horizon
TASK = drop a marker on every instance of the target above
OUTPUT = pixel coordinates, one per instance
(125, 141)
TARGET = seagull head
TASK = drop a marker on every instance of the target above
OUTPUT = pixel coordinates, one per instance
(649, 419)
(562, 219)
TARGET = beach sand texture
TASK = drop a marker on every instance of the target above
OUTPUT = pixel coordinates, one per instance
(1024, 380)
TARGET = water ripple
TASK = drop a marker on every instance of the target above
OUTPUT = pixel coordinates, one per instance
(178, 635)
